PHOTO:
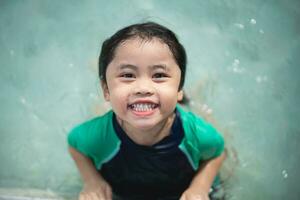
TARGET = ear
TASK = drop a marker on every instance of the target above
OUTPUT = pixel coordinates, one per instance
(105, 90)
(180, 95)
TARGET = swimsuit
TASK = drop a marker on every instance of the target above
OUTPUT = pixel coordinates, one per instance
(161, 171)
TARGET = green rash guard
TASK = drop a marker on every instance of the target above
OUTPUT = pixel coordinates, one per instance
(137, 171)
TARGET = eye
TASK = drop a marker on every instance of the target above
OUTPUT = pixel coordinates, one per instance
(160, 76)
(127, 75)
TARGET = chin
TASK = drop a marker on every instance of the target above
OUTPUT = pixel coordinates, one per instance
(144, 126)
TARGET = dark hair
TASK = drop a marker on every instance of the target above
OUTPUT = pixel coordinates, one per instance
(145, 31)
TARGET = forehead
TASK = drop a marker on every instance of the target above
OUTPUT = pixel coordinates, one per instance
(149, 49)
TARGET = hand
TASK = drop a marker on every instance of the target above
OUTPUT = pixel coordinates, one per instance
(192, 194)
(100, 190)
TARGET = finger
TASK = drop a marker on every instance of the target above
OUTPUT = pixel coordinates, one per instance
(80, 197)
(201, 197)
(88, 196)
(83, 196)
(108, 193)
(182, 197)
(96, 196)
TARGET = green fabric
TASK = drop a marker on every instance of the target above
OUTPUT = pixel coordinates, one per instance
(96, 139)
(201, 141)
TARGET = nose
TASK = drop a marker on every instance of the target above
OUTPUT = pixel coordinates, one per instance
(143, 87)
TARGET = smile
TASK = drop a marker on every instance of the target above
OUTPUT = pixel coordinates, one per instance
(143, 107)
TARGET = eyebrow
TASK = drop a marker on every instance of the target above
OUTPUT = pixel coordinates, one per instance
(125, 66)
(152, 67)
(159, 66)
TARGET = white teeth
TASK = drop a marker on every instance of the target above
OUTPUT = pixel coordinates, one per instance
(142, 107)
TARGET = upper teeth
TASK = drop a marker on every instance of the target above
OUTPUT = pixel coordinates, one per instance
(142, 107)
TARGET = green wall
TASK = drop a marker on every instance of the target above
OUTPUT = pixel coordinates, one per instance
(243, 63)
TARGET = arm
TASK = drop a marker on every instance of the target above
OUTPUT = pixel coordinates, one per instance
(201, 184)
(95, 187)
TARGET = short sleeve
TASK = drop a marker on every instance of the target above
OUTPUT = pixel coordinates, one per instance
(210, 142)
(202, 141)
(95, 138)
(76, 140)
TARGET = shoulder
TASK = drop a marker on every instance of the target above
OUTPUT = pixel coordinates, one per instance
(94, 138)
(195, 124)
(93, 125)
(90, 128)
(200, 135)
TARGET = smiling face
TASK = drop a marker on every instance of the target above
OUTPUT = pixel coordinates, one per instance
(142, 84)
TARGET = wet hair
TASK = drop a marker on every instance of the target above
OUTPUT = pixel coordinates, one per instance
(145, 31)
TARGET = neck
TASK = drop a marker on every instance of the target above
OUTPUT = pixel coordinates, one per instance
(151, 136)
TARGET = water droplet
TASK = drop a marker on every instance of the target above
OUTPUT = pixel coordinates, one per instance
(261, 31)
(235, 67)
(23, 100)
(236, 62)
(240, 26)
(284, 173)
(258, 79)
(253, 21)
(192, 103)
(209, 111)
(92, 96)
(204, 107)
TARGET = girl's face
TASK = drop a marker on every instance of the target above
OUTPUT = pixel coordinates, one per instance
(142, 83)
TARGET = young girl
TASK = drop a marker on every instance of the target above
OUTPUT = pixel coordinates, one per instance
(147, 146)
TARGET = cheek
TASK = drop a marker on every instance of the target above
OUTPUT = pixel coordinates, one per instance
(120, 89)
(168, 93)
(118, 94)
(115, 87)
(170, 87)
